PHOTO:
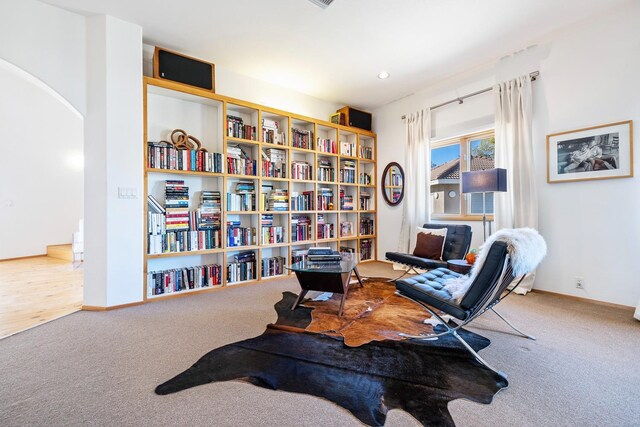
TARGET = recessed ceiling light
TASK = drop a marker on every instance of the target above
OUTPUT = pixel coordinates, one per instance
(383, 75)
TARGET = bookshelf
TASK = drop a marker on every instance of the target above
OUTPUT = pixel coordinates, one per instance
(270, 185)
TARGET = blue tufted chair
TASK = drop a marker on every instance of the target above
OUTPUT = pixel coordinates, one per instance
(486, 290)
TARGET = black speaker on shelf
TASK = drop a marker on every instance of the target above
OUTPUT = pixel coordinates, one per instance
(356, 118)
(183, 69)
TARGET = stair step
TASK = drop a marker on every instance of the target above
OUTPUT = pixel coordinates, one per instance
(60, 252)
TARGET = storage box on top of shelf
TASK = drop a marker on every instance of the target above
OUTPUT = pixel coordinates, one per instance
(356, 118)
(168, 65)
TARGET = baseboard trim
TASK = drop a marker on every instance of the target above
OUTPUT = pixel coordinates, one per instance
(111, 307)
(23, 257)
(582, 299)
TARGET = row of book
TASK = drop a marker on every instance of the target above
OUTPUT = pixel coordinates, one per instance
(302, 138)
(274, 163)
(367, 226)
(237, 235)
(325, 231)
(366, 152)
(325, 199)
(237, 129)
(326, 171)
(242, 268)
(366, 249)
(327, 146)
(347, 149)
(301, 170)
(180, 279)
(273, 266)
(184, 241)
(300, 228)
(365, 201)
(302, 202)
(270, 233)
(365, 178)
(241, 166)
(163, 155)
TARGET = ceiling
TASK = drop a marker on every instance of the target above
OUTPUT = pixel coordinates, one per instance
(335, 54)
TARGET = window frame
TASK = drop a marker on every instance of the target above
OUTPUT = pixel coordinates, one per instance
(465, 160)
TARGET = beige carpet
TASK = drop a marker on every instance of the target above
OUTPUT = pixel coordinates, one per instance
(101, 368)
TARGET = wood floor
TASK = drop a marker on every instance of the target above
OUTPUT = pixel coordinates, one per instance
(36, 290)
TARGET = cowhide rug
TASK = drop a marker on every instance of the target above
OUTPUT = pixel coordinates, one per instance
(420, 377)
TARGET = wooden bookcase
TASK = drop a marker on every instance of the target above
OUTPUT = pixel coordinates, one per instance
(301, 142)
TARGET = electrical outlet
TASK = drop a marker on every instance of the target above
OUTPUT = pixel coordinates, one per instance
(579, 283)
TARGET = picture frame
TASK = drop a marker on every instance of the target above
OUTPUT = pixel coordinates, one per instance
(597, 152)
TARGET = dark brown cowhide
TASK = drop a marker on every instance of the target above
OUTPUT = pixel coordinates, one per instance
(420, 377)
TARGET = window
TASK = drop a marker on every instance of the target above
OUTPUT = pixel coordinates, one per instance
(448, 159)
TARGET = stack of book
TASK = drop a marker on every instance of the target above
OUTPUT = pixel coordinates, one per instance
(346, 201)
(348, 171)
(176, 202)
(275, 199)
(237, 129)
(244, 198)
(270, 233)
(209, 212)
(302, 138)
(271, 132)
(274, 163)
(239, 162)
(323, 256)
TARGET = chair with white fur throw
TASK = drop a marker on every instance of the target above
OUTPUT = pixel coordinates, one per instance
(508, 255)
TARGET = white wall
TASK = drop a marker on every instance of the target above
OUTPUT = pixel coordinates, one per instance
(114, 159)
(588, 76)
(49, 43)
(41, 176)
(247, 88)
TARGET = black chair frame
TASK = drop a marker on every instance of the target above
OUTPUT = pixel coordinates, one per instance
(488, 301)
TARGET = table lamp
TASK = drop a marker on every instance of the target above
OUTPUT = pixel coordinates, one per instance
(484, 181)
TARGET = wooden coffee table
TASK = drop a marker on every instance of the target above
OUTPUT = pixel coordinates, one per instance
(323, 277)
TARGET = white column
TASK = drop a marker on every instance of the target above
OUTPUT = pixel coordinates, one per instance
(113, 160)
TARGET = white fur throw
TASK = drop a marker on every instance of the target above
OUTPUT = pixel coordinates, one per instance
(526, 249)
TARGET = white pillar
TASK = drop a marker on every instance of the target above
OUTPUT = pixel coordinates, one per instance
(113, 159)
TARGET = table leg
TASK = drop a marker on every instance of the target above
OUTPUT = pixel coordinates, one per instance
(344, 297)
(303, 292)
(355, 270)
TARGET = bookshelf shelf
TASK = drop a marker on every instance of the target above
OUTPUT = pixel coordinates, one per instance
(241, 136)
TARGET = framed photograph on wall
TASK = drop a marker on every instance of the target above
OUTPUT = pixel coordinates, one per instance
(598, 152)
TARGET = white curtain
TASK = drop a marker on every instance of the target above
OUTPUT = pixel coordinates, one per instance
(417, 171)
(518, 207)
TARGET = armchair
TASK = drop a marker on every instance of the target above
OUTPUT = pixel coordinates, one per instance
(456, 246)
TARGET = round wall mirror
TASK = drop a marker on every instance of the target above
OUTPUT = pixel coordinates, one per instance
(393, 184)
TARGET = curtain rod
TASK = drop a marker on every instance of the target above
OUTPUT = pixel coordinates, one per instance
(460, 99)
